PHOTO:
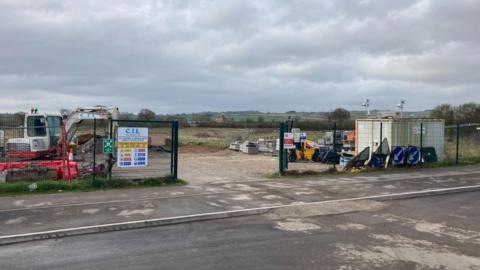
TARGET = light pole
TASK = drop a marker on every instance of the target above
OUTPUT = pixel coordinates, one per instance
(401, 105)
(366, 104)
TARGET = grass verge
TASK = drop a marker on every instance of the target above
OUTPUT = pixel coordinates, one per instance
(52, 186)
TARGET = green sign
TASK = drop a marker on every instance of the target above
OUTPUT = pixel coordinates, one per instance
(107, 146)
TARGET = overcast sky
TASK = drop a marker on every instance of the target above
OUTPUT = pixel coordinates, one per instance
(188, 56)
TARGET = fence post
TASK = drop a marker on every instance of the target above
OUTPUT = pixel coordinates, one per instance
(4, 145)
(421, 141)
(94, 147)
(281, 150)
(334, 143)
(172, 147)
(175, 163)
(288, 128)
(110, 155)
(381, 135)
(457, 157)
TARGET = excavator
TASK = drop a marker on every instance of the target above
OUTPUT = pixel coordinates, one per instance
(50, 140)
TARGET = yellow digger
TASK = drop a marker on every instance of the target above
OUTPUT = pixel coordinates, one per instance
(307, 151)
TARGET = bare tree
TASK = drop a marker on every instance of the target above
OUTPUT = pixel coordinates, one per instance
(444, 111)
(468, 113)
(339, 114)
(146, 114)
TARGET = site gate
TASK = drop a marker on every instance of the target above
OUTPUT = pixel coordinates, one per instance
(142, 149)
(306, 148)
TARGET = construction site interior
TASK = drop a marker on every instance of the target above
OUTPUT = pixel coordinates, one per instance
(72, 146)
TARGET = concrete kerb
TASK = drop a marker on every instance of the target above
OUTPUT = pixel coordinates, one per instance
(53, 234)
(11, 239)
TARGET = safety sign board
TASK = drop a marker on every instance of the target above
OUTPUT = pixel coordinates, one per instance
(288, 141)
(132, 143)
(303, 137)
(296, 135)
(107, 146)
(418, 130)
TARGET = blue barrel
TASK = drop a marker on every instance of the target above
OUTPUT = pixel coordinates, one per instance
(397, 156)
(345, 159)
(413, 155)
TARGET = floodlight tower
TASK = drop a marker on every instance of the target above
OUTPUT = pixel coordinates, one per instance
(401, 105)
(366, 104)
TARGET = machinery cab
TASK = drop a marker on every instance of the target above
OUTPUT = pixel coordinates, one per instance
(45, 128)
(41, 133)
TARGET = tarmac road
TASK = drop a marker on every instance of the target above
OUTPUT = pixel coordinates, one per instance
(29, 214)
(440, 232)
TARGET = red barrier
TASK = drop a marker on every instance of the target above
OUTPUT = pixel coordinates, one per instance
(51, 164)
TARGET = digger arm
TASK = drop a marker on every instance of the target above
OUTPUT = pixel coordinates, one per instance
(81, 115)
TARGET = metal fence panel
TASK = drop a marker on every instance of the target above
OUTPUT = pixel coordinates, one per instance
(88, 139)
(143, 149)
(312, 149)
(387, 142)
(35, 152)
(462, 143)
(40, 149)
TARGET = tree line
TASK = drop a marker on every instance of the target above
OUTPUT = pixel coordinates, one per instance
(463, 114)
(340, 116)
(309, 125)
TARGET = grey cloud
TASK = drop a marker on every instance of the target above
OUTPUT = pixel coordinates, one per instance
(175, 56)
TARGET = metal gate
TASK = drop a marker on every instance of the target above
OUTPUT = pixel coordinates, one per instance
(140, 149)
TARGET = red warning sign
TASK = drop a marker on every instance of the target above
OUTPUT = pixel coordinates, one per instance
(288, 141)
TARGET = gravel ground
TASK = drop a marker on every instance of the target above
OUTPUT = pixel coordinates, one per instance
(230, 166)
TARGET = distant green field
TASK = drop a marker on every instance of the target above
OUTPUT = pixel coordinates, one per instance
(268, 117)
(222, 137)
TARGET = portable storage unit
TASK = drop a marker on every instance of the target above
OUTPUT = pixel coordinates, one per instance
(400, 132)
